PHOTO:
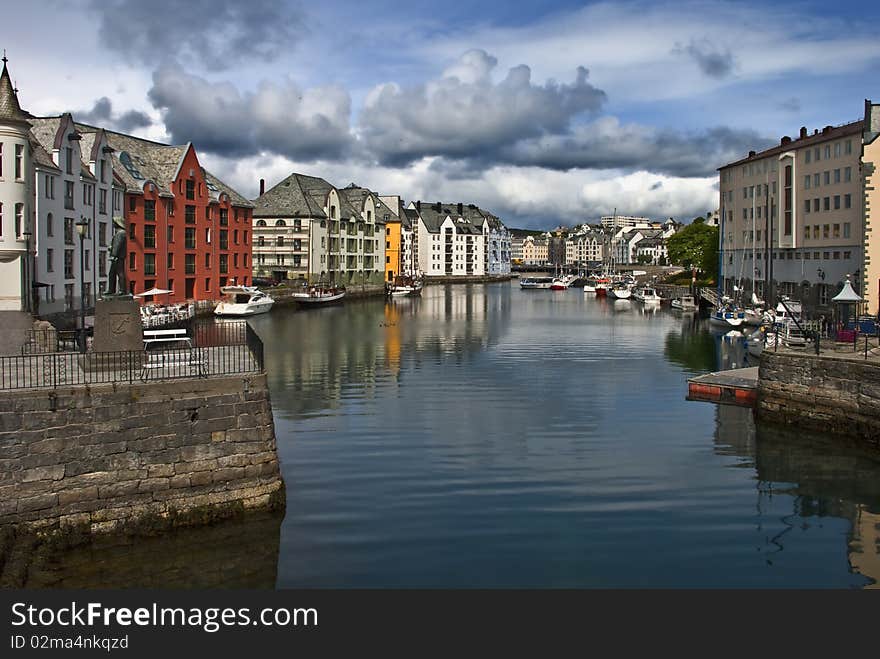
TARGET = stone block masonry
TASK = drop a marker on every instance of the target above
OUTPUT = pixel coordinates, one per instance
(834, 395)
(137, 457)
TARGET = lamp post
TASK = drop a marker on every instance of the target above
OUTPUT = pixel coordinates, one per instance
(82, 226)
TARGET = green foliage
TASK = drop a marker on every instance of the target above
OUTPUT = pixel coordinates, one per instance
(695, 246)
(644, 259)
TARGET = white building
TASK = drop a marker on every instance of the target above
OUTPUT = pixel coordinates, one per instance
(74, 185)
(614, 222)
(16, 200)
(450, 244)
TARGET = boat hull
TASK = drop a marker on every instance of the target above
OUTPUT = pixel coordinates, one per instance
(313, 300)
(227, 309)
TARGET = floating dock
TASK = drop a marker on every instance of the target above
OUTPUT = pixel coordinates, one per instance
(738, 386)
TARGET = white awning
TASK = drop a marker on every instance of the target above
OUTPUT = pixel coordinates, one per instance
(847, 294)
(153, 291)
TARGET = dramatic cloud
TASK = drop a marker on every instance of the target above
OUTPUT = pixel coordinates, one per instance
(215, 33)
(607, 144)
(464, 112)
(277, 118)
(712, 62)
(102, 115)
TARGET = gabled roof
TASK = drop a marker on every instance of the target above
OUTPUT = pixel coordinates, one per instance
(10, 110)
(48, 132)
(296, 196)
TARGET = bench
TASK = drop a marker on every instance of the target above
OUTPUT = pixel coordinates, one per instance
(152, 337)
(178, 362)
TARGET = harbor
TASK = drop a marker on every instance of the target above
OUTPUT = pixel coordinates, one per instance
(581, 462)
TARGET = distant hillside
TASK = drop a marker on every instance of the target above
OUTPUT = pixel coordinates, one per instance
(522, 233)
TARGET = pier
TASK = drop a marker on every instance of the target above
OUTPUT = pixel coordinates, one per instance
(738, 386)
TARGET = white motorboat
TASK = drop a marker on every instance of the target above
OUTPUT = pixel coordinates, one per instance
(319, 294)
(684, 303)
(562, 283)
(620, 291)
(243, 301)
(646, 295)
(529, 283)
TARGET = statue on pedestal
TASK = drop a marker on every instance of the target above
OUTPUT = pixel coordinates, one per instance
(117, 260)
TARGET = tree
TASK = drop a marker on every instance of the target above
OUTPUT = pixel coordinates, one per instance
(695, 246)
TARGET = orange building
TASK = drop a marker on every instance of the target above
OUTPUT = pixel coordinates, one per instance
(188, 232)
(392, 248)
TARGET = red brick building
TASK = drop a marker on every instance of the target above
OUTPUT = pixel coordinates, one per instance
(188, 232)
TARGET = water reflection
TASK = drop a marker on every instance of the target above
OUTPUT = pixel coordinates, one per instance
(231, 554)
(810, 492)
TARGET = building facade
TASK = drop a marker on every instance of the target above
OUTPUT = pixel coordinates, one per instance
(871, 203)
(807, 194)
(614, 222)
(535, 251)
(451, 240)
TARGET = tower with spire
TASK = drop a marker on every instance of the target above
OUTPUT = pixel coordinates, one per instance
(16, 197)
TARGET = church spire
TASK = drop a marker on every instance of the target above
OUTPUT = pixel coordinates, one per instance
(10, 110)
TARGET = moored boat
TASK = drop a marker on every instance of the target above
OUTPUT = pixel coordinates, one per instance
(243, 301)
(319, 294)
(684, 303)
(529, 283)
(405, 286)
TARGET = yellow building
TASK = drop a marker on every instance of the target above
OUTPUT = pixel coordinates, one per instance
(871, 181)
(392, 248)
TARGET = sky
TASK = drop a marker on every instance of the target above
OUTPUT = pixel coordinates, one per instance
(546, 113)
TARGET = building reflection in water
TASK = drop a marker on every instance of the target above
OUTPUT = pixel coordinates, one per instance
(231, 554)
(823, 478)
(317, 357)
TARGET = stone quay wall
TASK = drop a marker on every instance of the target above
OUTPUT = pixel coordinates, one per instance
(836, 395)
(137, 457)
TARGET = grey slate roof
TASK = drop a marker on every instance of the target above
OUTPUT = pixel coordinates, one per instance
(409, 218)
(296, 196)
(45, 130)
(41, 157)
(10, 110)
(136, 159)
(472, 215)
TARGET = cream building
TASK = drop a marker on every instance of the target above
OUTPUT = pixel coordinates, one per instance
(535, 251)
(808, 192)
(871, 192)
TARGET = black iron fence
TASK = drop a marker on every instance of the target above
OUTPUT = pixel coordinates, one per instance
(230, 349)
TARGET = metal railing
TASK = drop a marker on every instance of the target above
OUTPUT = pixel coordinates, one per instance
(228, 349)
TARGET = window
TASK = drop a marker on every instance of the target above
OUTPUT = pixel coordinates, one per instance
(87, 259)
(190, 189)
(102, 234)
(837, 202)
(68, 264)
(807, 156)
(68, 231)
(224, 264)
(131, 230)
(189, 240)
(847, 255)
(847, 201)
(224, 239)
(826, 230)
(847, 174)
(19, 162)
(207, 212)
(806, 205)
(816, 179)
(102, 202)
(816, 205)
(102, 264)
(150, 264)
(208, 236)
(816, 153)
(170, 234)
(50, 260)
(190, 215)
(807, 180)
(132, 204)
(816, 231)
(261, 223)
(68, 297)
(150, 236)
(837, 150)
(826, 176)
(50, 225)
(132, 262)
(279, 241)
(837, 174)
(826, 203)
(835, 231)
(68, 195)
(207, 284)
(149, 210)
(224, 217)
(806, 232)
(235, 237)
(207, 261)
(827, 151)
(846, 230)
(244, 237)
(117, 200)
(189, 264)
(847, 147)
(68, 160)
(261, 241)
(50, 186)
(235, 260)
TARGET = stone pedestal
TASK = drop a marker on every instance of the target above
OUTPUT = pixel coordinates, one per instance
(118, 325)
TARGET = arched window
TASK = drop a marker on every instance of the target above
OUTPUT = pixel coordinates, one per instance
(261, 241)
(333, 212)
(261, 223)
(280, 241)
(280, 223)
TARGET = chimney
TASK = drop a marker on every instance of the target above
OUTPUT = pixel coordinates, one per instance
(826, 130)
(785, 140)
(459, 208)
(803, 132)
(751, 154)
(438, 207)
(815, 131)
(262, 186)
(418, 206)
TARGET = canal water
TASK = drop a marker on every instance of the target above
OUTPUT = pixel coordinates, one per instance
(485, 436)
